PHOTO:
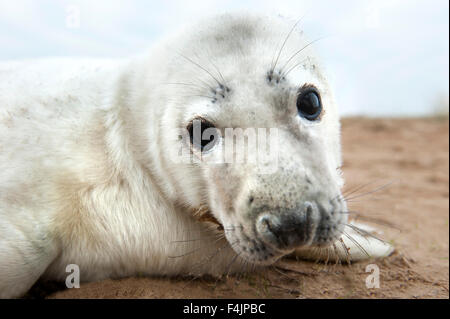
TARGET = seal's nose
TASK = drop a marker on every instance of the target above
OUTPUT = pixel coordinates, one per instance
(288, 230)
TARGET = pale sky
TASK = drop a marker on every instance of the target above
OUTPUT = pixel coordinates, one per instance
(383, 57)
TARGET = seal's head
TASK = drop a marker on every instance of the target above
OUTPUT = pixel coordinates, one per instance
(244, 74)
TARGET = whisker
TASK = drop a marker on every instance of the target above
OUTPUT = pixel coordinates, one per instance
(297, 52)
(284, 43)
(364, 200)
(328, 256)
(197, 239)
(219, 236)
(372, 220)
(214, 254)
(194, 251)
(228, 268)
(198, 95)
(294, 67)
(209, 258)
(201, 86)
(356, 188)
(277, 269)
(218, 71)
(344, 246)
(205, 84)
(315, 250)
(201, 67)
(181, 83)
(233, 228)
(356, 243)
(191, 231)
(370, 192)
(364, 232)
(188, 253)
(336, 254)
(231, 263)
(244, 266)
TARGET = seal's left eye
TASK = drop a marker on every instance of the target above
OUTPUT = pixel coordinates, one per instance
(203, 134)
(309, 104)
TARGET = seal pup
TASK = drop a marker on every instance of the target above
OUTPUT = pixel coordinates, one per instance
(89, 172)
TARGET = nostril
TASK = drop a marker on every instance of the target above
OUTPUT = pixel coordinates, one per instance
(268, 227)
(308, 208)
(265, 224)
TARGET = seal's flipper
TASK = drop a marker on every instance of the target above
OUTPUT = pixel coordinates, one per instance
(355, 244)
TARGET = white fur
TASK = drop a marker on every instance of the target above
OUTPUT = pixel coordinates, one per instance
(84, 173)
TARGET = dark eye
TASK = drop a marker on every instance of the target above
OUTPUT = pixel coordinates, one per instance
(203, 134)
(309, 104)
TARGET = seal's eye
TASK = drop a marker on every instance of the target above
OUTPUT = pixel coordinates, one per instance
(309, 104)
(203, 134)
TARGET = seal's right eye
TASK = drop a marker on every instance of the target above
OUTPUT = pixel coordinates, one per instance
(203, 134)
(309, 104)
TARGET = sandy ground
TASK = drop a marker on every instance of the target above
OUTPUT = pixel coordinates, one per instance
(413, 154)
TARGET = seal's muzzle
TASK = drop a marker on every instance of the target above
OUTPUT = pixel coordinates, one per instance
(290, 228)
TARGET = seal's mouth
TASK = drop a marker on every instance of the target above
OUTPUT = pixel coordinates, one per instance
(276, 233)
(203, 214)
